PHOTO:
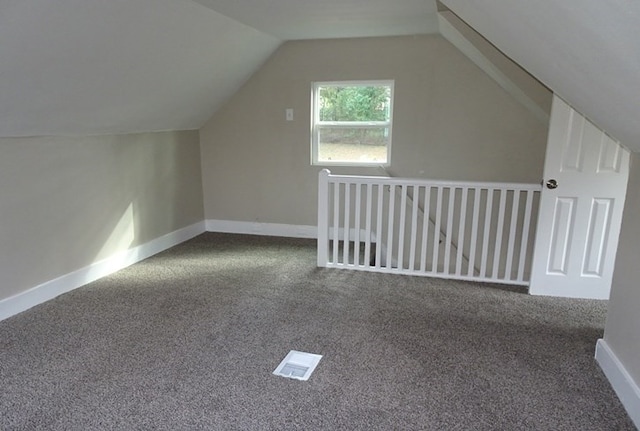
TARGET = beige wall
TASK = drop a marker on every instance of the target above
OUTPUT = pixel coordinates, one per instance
(540, 95)
(622, 331)
(68, 202)
(451, 121)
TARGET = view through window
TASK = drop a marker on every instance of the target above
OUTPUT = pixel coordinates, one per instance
(352, 123)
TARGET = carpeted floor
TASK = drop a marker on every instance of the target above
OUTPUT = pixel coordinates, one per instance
(188, 340)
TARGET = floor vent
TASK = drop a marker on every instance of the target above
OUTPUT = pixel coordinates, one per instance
(298, 365)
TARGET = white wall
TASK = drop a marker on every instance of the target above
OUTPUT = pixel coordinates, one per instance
(622, 331)
(67, 202)
(451, 121)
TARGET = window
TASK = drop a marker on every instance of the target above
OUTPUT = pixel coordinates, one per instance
(352, 123)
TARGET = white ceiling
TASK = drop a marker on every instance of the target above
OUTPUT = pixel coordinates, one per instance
(71, 67)
(588, 52)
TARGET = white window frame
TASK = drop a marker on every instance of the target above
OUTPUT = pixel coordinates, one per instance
(317, 125)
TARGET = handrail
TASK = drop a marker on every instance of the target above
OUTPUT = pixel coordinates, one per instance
(373, 179)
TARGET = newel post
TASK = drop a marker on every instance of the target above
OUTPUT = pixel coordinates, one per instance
(323, 217)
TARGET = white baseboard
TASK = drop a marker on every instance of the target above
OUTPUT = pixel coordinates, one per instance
(52, 288)
(621, 381)
(267, 229)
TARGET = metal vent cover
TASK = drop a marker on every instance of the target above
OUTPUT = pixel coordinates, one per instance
(298, 365)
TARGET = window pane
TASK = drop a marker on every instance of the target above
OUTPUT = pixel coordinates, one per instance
(358, 144)
(357, 103)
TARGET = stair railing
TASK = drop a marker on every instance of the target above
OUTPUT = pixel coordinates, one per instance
(451, 229)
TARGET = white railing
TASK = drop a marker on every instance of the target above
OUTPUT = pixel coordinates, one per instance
(448, 229)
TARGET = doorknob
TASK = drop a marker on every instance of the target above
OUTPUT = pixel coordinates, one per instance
(552, 184)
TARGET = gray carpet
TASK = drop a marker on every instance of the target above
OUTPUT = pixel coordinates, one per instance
(188, 339)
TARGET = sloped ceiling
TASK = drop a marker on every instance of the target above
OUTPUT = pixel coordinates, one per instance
(74, 67)
(588, 52)
(70, 67)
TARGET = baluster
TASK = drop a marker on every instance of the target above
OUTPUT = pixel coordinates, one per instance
(367, 244)
(461, 228)
(401, 227)
(487, 226)
(425, 228)
(512, 233)
(437, 230)
(346, 231)
(475, 220)
(414, 228)
(336, 221)
(392, 202)
(379, 226)
(499, 233)
(525, 234)
(449, 232)
(356, 227)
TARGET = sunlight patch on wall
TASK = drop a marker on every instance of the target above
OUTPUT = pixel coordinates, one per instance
(116, 247)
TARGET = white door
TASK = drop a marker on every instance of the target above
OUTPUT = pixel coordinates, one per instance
(584, 186)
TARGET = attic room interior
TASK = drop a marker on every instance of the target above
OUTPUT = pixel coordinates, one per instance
(160, 211)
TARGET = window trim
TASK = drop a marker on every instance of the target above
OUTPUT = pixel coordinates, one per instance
(316, 124)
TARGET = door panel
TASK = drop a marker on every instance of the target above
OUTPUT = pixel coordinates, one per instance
(561, 236)
(573, 156)
(610, 156)
(595, 251)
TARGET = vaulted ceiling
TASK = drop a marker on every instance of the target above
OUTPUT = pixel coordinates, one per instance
(117, 66)
(70, 67)
(588, 52)
(92, 66)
